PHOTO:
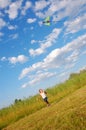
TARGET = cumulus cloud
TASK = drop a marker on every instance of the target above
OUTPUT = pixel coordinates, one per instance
(18, 59)
(11, 27)
(73, 56)
(14, 36)
(49, 40)
(13, 9)
(3, 58)
(61, 9)
(4, 3)
(84, 52)
(1, 14)
(2, 23)
(76, 25)
(38, 78)
(40, 5)
(1, 34)
(54, 7)
(28, 5)
(58, 57)
(33, 41)
(83, 68)
(31, 20)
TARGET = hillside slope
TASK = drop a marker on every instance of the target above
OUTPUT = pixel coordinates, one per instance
(67, 114)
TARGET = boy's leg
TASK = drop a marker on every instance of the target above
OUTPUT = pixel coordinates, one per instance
(47, 101)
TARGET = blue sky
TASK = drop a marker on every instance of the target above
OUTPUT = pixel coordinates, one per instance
(33, 55)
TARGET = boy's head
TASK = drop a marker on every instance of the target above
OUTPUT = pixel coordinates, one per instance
(40, 90)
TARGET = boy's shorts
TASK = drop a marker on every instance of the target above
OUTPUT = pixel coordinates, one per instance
(45, 99)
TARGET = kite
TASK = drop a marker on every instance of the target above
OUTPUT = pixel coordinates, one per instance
(48, 22)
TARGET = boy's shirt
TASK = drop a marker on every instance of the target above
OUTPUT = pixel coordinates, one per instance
(43, 95)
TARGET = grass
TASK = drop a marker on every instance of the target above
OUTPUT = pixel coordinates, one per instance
(67, 110)
(68, 114)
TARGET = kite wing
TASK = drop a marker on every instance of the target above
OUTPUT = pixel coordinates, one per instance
(47, 21)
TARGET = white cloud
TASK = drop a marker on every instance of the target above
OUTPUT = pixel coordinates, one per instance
(30, 69)
(13, 9)
(28, 5)
(68, 8)
(62, 8)
(73, 56)
(40, 15)
(1, 34)
(31, 20)
(2, 23)
(14, 36)
(33, 41)
(40, 5)
(1, 14)
(83, 68)
(4, 3)
(36, 52)
(84, 52)
(63, 74)
(3, 58)
(18, 59)
(76, 25)
(58, 57)
(53, 8)
(69, 66)
(11, 27)
(38, 78)
(50, 39)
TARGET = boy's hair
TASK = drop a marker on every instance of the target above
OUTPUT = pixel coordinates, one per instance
(40, 90)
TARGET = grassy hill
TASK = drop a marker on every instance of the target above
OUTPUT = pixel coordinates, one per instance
(67, 110)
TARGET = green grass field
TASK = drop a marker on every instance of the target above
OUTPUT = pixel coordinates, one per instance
(66, 112)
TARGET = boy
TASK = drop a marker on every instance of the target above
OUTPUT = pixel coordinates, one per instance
(43, 95)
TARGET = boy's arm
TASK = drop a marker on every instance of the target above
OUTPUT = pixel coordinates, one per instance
(45, 92)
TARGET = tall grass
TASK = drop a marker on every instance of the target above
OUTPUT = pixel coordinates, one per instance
(68, 114)
(30, 105)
